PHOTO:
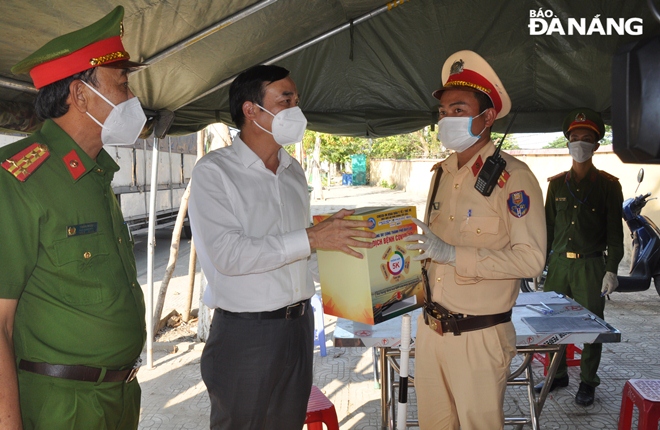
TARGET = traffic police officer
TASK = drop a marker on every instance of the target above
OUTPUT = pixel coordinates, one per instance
(477, 247)
(71, 309)
(585, 237)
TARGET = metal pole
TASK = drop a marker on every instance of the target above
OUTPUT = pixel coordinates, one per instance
(150, 254)
(14, 84)
(208, 31)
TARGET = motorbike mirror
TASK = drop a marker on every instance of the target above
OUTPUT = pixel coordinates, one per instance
(640, 178)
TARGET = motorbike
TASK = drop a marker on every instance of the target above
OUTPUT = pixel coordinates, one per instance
(645, 258)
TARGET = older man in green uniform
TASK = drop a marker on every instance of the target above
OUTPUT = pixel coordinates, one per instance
(71, 309)
(585, 237)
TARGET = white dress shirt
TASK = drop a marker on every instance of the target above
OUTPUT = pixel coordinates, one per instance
(249, 230)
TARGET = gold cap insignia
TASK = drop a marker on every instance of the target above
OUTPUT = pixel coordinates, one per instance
(457, 67)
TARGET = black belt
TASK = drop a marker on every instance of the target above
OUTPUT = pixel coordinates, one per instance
(287, 312)
(80, 373)
(573, 255)
(459, 323)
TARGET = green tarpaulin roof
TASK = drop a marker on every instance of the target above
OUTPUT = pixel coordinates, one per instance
(372, 78)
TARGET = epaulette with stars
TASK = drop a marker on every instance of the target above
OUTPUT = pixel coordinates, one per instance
(558, 175)
(26, 162)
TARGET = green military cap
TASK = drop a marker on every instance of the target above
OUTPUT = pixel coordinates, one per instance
(584, 118)
(98, 44)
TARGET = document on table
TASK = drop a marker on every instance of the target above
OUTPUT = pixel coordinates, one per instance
(549, 298)
(564, 324)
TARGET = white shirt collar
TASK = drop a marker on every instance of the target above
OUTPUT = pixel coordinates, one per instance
(248, 157)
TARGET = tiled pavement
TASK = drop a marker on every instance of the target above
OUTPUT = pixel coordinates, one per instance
(174, 396)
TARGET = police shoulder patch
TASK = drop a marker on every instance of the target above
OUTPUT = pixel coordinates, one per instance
(607, 176)
(558, 175)
(518, 203)
(26, 162)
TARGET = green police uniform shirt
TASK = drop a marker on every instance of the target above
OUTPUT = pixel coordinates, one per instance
(585, 217)
(67, 256)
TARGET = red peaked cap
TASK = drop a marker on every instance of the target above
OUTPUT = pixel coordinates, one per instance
(466, 70)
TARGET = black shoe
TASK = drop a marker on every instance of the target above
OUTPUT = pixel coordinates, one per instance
(557, 382)
(585, 394)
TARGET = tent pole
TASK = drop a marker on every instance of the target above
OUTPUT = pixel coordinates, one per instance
(151, 244)
(295, 49)
(13, 84)
(208, 31)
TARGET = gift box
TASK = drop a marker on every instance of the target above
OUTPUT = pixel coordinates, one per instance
(382, 285)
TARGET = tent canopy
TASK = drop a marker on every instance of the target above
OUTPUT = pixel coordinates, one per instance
(372, 76)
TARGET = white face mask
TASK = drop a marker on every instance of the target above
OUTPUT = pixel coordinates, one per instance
(125, 122)
(455, 132)
(581, 151)
(288, 125)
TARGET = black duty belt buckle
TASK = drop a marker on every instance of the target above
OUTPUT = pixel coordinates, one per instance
(133, 373)
(296, 310)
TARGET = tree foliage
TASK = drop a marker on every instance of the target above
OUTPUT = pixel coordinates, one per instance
(422, 143)
(509, 143)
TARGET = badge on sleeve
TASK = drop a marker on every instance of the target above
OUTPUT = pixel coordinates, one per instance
(518, 203)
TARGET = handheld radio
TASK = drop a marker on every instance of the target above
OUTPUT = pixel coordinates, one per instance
(493, 167)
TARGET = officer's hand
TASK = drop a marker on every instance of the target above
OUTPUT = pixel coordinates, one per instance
(610, 282)
(434, 248)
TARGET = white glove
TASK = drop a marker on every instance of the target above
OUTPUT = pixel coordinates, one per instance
(610, 282)
(434, 248)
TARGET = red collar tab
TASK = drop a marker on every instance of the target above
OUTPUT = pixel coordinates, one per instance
(476, 167)
(23, 164)
(471, 79)
(74, 164)
(99, 53)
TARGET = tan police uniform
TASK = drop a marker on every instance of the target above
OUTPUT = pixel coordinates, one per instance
(461, 379)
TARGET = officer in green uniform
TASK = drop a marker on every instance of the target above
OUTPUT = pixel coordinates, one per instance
(72, 312)
(585, 237)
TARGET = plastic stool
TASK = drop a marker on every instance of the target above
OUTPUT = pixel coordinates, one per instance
(570, 357)
(645, 394)
(319, 324)
(320, 410)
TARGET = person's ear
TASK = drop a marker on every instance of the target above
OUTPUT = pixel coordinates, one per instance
(596, 146)
(489, 116)
(78, 96)
(250, 110)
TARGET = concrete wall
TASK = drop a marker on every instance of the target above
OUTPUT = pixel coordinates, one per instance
(415, 176)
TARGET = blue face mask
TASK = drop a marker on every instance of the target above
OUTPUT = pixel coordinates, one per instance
(455, 132)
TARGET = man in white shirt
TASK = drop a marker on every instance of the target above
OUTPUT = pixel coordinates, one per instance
(249, 213)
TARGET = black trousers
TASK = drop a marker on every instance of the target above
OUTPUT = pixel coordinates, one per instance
(259, 372)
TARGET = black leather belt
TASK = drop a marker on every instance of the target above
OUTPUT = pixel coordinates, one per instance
(459, 323)
(288, 312)
(573, 255)
(80, 373)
